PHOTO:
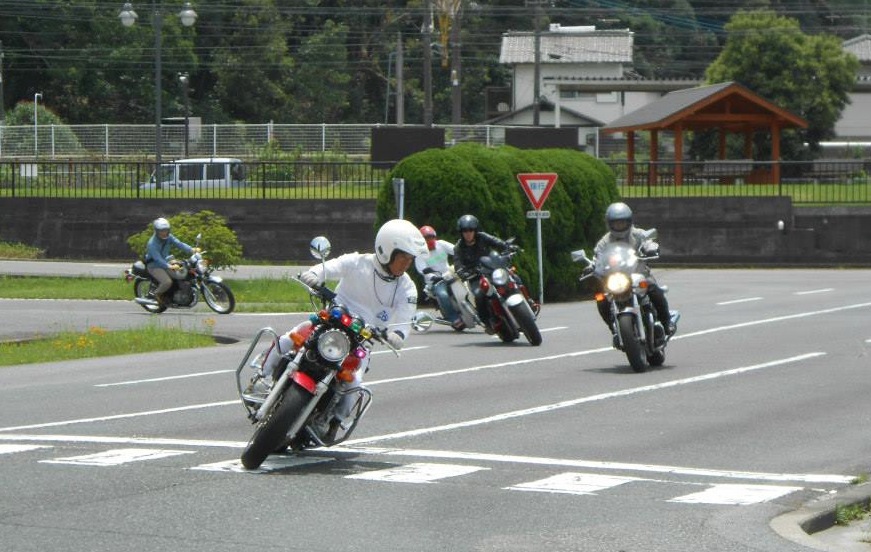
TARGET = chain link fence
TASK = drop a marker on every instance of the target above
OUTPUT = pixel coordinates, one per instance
(246, 141)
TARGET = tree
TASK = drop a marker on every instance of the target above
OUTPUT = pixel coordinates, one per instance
(810, 76)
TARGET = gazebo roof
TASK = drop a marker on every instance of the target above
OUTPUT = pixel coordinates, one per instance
(726, 105)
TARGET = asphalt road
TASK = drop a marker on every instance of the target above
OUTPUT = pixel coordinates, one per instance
(471, 444)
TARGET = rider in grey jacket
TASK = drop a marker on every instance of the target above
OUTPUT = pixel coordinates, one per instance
(618, 218)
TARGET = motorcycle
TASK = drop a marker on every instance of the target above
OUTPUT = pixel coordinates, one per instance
(461, 300)
(292, 408)
(622, 272)
(194, 279)
(511, 311)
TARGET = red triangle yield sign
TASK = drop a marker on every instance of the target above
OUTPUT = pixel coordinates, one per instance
(537, 186)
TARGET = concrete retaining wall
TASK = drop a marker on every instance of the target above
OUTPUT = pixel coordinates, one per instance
(696, 231)
(266, 229)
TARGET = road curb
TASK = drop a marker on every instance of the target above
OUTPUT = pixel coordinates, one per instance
(805, 525)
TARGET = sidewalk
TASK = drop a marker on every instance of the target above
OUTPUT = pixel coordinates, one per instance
(116, 270)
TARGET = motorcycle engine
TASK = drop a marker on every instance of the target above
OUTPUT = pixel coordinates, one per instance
(184, 295)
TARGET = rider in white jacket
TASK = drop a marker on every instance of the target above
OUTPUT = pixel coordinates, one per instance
(372, 286)
(432, 267)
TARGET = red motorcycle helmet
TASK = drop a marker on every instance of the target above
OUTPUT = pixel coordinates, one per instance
(429, 234)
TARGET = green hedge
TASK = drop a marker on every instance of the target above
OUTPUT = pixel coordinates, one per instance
(443, 184)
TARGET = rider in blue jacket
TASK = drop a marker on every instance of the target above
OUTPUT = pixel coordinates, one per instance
(157, 252)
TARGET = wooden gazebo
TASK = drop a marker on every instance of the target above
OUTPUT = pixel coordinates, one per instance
(728, 107)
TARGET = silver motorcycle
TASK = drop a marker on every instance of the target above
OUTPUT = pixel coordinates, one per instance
(625, 281)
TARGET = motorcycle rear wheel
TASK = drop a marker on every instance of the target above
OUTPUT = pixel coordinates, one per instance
(271, 432)
(526, 320)
(219, 297)
(631, 344)
(141, 289)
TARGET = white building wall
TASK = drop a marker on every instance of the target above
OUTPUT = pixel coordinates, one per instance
(855, 120)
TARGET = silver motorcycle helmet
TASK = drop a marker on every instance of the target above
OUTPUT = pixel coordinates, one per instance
(618, 218)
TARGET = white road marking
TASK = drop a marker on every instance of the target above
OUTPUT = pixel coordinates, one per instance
(812, 291)
(117, 457)
(736, 494)
(9, 449)
(417, 473)
(582, 400)
(574, 483)
(167, 378)
(441, 454)
(736, 301)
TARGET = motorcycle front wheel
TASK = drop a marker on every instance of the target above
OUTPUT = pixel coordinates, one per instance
(631, 344)
(526, 320)
(218, 297)
(141, 289)
(271, 432)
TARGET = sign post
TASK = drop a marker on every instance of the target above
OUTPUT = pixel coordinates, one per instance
(537, 186)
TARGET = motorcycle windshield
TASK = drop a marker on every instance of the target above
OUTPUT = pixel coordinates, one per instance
(491, 262)
(616, 257)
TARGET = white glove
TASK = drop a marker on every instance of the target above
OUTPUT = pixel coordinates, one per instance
(310, 279)
(395, 340)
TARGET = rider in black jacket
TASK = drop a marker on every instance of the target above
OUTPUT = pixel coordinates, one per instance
(473, 245)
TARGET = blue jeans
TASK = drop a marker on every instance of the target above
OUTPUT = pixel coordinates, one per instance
(443, 297)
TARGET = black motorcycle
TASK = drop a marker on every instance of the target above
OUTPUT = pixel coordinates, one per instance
(194, 279)
(510, 310)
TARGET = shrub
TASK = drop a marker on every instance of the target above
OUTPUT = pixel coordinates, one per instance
(443, 184)
(219, 241)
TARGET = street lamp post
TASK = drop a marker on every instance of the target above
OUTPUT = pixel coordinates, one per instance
(128, 18)
(36, 98)
(185, 86)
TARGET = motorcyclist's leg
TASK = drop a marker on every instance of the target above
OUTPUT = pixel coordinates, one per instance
(480, 302)
(660, 303)
(273, 357)
(342, 414)
(164, 281)
(444, 300)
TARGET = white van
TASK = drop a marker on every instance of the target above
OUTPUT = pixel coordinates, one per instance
(211, 172)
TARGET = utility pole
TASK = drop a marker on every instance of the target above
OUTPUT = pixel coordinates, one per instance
(400, 86)
(427, 63)
(536, 86)
(456, 68)
(2, 109)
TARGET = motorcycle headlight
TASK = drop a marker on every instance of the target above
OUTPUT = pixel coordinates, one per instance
(334, 345)
(202, 265)
(618, 283)
(500, 276)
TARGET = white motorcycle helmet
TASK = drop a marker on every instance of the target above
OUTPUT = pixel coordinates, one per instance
(398, 235)
(618, 217)
(160, 224)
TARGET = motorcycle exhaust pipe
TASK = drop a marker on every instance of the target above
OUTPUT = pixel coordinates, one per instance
(146, 301)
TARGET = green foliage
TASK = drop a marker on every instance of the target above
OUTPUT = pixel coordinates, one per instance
(50, 128)
(809, 75)
(442, 185)
(19, 251)
(218, 240)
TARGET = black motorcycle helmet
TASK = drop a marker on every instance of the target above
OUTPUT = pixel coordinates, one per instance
(467, 222)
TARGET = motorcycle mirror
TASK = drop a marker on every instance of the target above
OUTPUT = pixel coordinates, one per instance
(421, 321)
(579, 256)
(320, 248)
(198, 238)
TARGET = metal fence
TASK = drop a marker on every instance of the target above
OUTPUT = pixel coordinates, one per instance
(831, 181)
(263, 180)
(245, 141)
